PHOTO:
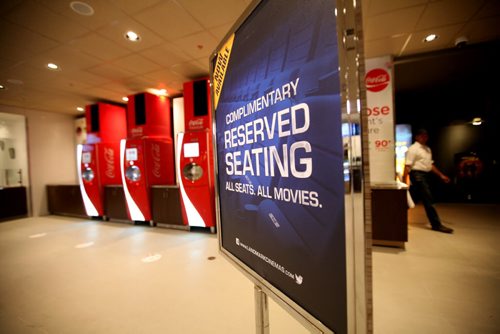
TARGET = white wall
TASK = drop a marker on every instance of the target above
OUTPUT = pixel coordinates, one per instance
(51, 152)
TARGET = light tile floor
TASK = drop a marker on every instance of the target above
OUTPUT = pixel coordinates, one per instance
(64, 275)
(441, 283)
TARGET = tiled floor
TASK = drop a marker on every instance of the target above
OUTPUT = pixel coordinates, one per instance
(441, 283)
(64, 275)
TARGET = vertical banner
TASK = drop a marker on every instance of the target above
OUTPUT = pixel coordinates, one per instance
(280, 154)
(379, 83)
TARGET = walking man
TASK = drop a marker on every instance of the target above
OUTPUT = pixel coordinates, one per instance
(419, 165)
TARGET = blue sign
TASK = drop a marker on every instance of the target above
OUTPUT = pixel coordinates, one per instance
(280, 154)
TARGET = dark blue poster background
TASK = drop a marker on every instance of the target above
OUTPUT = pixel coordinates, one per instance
(280, 155)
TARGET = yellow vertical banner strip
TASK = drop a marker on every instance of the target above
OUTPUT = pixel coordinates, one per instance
(221, 67)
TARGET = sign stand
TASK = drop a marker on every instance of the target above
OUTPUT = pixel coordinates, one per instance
(261, 311)
(290, 166)
(262, 325)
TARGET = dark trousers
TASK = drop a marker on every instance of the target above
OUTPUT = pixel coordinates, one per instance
(420, 183)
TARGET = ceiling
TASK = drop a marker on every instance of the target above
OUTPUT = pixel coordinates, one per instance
(177, 36)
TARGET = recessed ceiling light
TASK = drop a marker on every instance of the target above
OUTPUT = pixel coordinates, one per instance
(82, 8)
(2, 87)
(430, 38)
(125, 99)
(52, 66)
(132, 36)
(477, 121)
(80, 109)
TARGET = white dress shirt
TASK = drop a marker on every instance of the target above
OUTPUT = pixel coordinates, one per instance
(419, 157)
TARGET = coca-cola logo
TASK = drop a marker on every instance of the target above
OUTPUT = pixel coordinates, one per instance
(109, 158)
(377, 80)
(196, 123)
(155, 154)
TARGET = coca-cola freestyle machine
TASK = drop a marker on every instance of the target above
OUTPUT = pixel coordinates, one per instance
(98, 160)
(195, 157)
(147, 155)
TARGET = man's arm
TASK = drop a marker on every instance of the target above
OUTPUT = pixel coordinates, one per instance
(443, 177)
(406, 173)
(409, 161)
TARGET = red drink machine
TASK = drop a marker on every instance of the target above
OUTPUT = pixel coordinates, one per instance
(197, 105)
(147, 155)
(196, 158)
(98, 160)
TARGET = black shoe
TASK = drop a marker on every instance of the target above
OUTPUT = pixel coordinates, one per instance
(442, 228)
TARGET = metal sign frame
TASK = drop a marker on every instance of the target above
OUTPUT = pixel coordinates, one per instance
(357, 202)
